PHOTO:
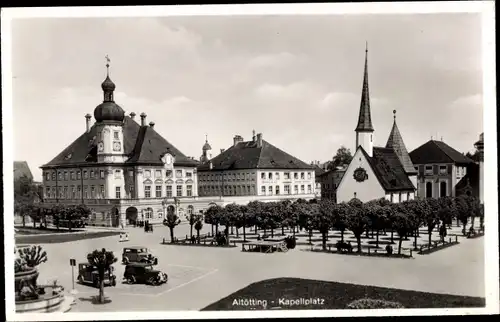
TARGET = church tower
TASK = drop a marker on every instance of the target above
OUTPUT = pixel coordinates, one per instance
(396, 143)
(205, 156)
(364, 129)
(109, 118)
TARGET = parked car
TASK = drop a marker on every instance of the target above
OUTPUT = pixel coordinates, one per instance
(138, 254)
(144, 273)
(88, 274)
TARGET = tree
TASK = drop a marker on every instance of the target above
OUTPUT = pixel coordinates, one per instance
(377, 217)
(191, 219)
(340, 213)
(246, 218)
(76, 212)
(198, 225)
(229, 218)
(463, 211)
(430, 207)
(102, 260)
(255, 209)
(212, 216)
(292, 216)
(305, 213)
(401, 223)
(474, 157)
(26, 195)
(171, 221)
(342, 158)
(322, 220)
(415, 208)
(357, 220)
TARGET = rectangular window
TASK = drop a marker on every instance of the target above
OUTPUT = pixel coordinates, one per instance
(189, 190)
(117, 173)
(277, 175)
(189, 175)
(178, 173)
(287, 189)
(147, 191)
(296, 189)
(91, 174)
(277, 190)
(428, 169)
(158, 174)
(302, 176)
(302, 189)
(158, 192)
(102, 192)
(72, 175)
(270, 189)
(131, 192)
(296, 175)
(101, 174)
(78, 175)
(53, 176)
(92, 192)
(179, 191)
(169, 191)
(309, 175)
(73, 192)
(85, 192)
(130, 173)
(309, 188)
(147, 174)
(262, 175)
(443, 169)
(47, 192)
(79, 191)
(263, 190)
(287, 175)
(168, 173)
(65, 175)
(116, 135)
(85, 175)
(270, 175)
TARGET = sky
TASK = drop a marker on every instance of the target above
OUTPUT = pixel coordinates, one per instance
(295, 79)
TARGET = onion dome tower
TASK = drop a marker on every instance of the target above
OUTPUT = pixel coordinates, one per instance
(206, 147)
(108, 110)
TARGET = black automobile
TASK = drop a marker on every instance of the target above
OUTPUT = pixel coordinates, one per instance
(144, 273)
(88, 274)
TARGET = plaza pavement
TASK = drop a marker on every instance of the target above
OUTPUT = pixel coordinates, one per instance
(199, 276)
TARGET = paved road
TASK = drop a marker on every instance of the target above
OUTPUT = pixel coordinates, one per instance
(200, 276)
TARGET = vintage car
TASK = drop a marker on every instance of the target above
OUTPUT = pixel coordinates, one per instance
(138, 254)
(88, 274)
(144, 273)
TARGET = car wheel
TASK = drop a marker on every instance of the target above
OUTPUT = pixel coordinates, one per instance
(152, 281)
(131, 279)
(125, 260)
(80, 279)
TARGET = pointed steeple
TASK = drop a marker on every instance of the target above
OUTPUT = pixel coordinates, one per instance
(396, 143)
(365, 119)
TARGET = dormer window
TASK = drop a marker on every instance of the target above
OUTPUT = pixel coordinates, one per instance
(116, 135)
(147, 173)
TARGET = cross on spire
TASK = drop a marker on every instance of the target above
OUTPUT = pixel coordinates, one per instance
(107, 63)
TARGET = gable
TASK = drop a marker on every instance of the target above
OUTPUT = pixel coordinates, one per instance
(367, 190)
(435, 152)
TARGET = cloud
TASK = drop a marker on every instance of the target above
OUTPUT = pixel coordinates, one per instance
(467, 102)
(298, 90)
(279, 60)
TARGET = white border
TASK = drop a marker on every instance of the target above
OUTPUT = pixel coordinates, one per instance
(489, 87)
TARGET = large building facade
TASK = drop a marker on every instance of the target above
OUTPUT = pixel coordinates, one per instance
(440, 168)
(377, 172)
(123, 170)
(255, 170)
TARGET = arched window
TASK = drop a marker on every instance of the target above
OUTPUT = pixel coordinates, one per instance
(428, 190)
(442, 192)
(148, 213)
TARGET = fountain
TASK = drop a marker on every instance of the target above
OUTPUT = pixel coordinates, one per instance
(31, 297)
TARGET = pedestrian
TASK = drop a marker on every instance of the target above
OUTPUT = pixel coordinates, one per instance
(121, 237)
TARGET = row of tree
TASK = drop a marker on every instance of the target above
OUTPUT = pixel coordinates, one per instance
(39, 213)
(373, 217)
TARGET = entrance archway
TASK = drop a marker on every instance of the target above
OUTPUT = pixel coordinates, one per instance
(131, 215)
(115, 217)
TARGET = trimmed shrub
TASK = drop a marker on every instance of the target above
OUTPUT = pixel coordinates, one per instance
(373, 304)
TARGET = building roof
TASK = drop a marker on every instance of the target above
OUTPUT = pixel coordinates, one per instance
(437, 152)
(389, 170)
(396, 143)
(142, 144)
(21, 168)
(318, 171)
(338, 170)
(365, 119)
(470, 182)
(249, 155)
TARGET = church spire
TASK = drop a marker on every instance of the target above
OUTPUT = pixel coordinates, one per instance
(396, 143)
(365, 119)
(108, 87)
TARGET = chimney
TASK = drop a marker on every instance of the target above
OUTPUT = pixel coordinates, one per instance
(132, 115)
(222, 150)
(143, 119)
(237, 139)
(259, 140)
(88, 117)
(253, 135)
(152, 124)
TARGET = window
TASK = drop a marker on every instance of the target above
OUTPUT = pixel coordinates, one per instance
(72, 175)
(287, 175)
(277, 190)
(158, 192)
(131, 192)
(78, 175)
(148, 213)
(263, 175)
(179, 191)
(302, 176)
(189, 190)
(66, 195)
(428, 190)
(270, 189)
(443, 169)
(296, 189)
(117, 173)
(160, 214)
(53, 176)
(263, 190)
(309, 175)
(287, 189)
(296, 175)
(189, 175)
(309, 188)
(392, 197)
(442, 190)
(92, 192)
(407, 196)
(66, 175)
(116, 135)
(169, 191)
(130, 173)
(102, 193)
(47, 192)
(73, 192)
(277, 175)
(168, 173)
(91, 174)
(85, 192)
(79, 191)
(270, 175)
(147, 173)
(428, 169)
(101, 174)
(147, 191)
(60, 175)
(302, 189)
(85, 175)
(178, 173)
(158, 174)
(416, 168)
